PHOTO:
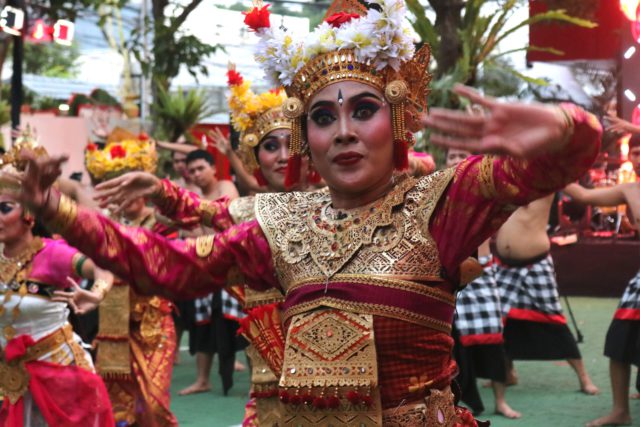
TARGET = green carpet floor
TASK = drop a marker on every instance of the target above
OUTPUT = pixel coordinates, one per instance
(547, 394)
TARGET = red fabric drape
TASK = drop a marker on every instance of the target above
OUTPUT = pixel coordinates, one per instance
(67, 396)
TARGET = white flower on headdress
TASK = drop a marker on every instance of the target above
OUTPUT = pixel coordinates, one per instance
(381, 36)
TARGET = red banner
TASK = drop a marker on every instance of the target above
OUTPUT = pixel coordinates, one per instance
(577, 43)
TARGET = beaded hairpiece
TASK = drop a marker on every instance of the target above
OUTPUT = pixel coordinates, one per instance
(124, 152)
(374, 46)
(254, 116)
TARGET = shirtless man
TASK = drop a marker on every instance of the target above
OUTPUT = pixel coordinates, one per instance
(622, 345)
(535, 327)
(201, 169)
(479, 343)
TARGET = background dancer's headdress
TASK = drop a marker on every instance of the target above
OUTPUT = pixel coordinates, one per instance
(374, 46)
(124, 152)
(254, 116)
(28, 139)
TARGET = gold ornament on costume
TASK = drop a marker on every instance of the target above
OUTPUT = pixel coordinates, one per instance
(374, 47)
(124, 152)
(13, 280)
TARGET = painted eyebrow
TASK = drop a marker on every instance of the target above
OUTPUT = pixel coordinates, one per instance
(355, 98)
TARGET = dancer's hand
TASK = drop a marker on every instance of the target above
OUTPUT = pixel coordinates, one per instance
(80, 300)
(221, 142)
(514, 129)
(36, 181)
(121, 191)
(616, 124)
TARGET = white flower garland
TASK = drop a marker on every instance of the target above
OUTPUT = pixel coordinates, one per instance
(384, 37)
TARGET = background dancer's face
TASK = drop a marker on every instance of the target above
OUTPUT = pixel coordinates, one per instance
(179, 161)
(13, 225)
(201, 173)
(455, 156)
(350, 137)
(133, 210)
(273, 154)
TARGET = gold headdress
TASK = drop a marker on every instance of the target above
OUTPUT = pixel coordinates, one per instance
(374, 46)
(10, 161)
(26, 139)
(254, 116)
(124, 152)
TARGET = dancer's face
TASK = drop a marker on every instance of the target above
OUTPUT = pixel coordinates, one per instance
(273, 154)
(13, 225)
(350, 137)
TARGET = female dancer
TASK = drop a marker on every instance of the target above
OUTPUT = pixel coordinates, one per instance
(46, 377)
(370, 267)
(262, 161)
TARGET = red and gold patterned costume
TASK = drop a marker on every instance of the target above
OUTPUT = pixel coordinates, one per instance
(369, 291)
(136, 345)
(136, 338)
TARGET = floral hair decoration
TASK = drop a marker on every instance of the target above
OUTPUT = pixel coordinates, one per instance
(124, 152)
(372, 46)
(254, 116)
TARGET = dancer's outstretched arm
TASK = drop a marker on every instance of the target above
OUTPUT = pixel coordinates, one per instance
(146, 260)
(610, 196)
(185, 208)
(530, 152)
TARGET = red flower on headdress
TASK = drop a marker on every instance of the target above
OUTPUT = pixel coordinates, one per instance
(117, 151)
(337, 19)
(91, 147)
(142, 136)
(234, 78)
(257, 18)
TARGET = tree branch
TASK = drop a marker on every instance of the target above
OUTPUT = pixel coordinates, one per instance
(177, 22)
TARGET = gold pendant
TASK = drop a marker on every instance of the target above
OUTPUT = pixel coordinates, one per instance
(9, 332)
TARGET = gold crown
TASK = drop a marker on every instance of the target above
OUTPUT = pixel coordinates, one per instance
(125, 152)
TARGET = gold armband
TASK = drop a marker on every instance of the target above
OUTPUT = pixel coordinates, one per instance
(100, 287)
(66, 214)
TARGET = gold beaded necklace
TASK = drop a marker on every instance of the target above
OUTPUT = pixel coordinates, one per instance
(13, 278)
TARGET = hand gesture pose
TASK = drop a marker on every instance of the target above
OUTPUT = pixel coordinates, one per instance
(80, 300)
(616, 124)
(221, 142)
(124, 189)
(513, 129)
(35, 182)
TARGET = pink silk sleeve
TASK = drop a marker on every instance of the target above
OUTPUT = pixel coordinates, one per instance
(153, 264)
(53, 264)
(189, 210)
(485, 190)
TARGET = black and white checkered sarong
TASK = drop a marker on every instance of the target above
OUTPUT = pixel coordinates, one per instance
(231, 308)
(631, 296)
(478, 306)
(532, 287)
(203, 309)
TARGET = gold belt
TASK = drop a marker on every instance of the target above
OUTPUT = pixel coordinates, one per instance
(437, 409)
(14, 378)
